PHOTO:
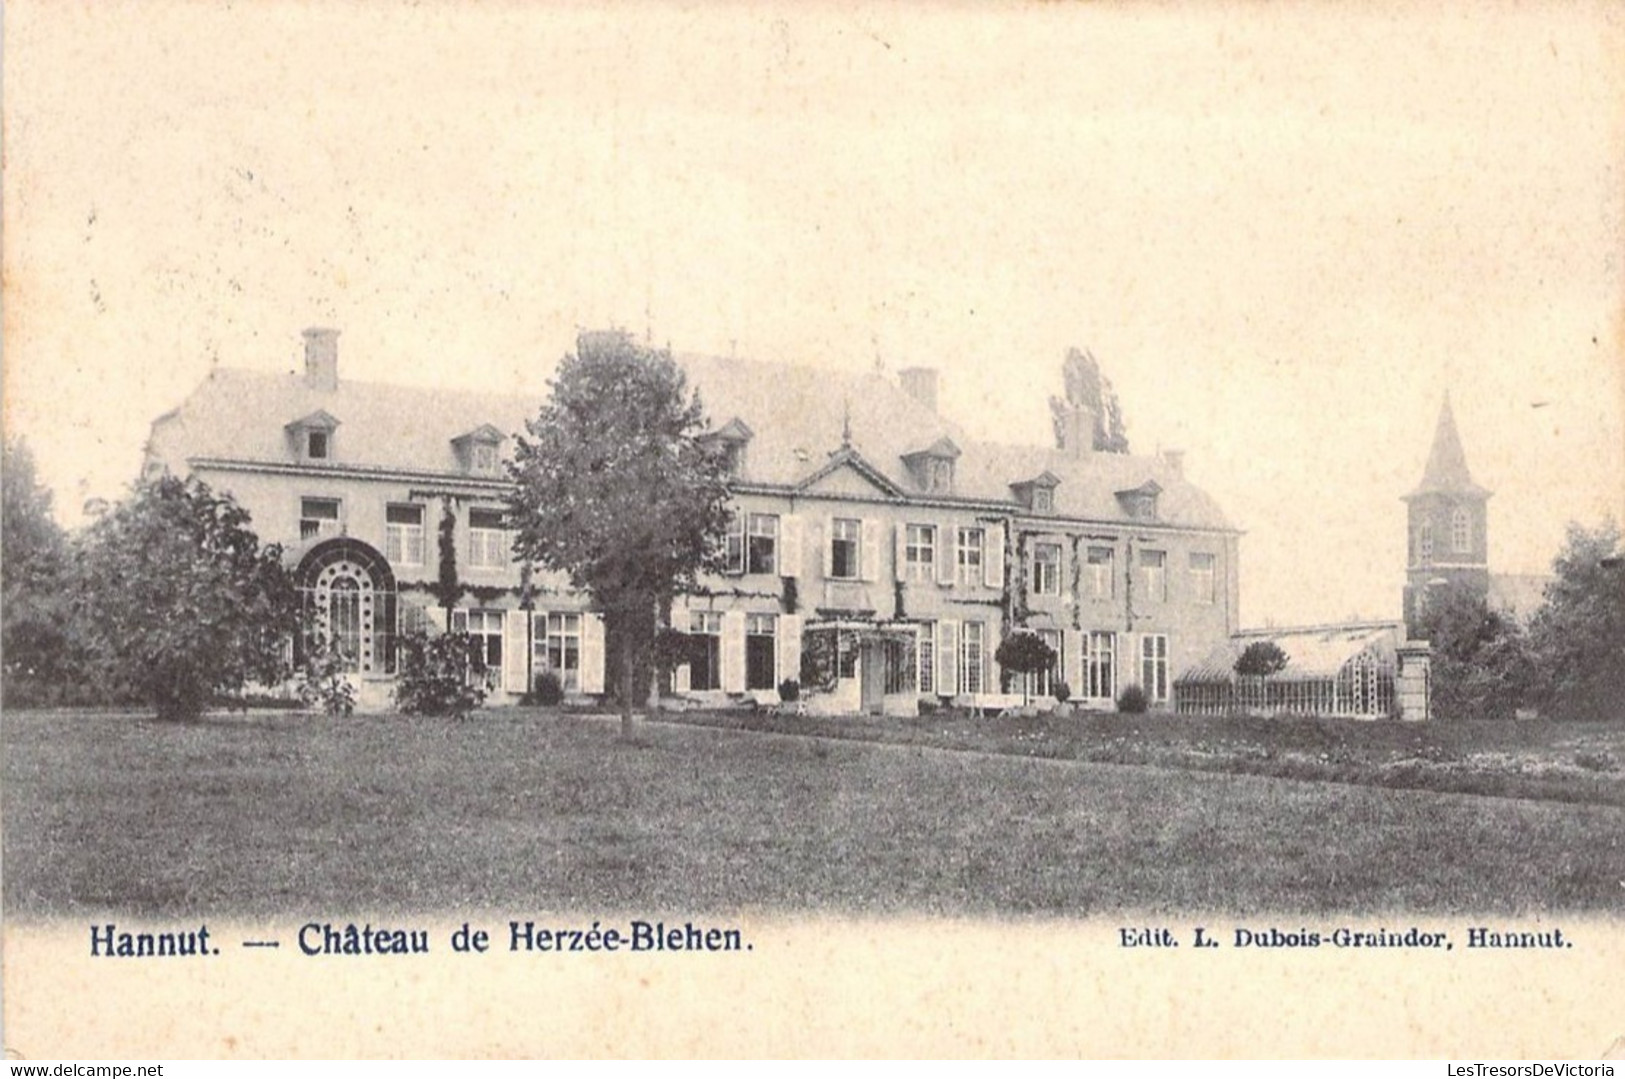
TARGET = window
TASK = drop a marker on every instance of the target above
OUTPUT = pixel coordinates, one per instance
(344, 620)
(732, 456)
(1042, 683)
(846, 541)
(761, 650)
(1102, 663)
(1046, 569)
(1043, 499)
(968, 556)
(734, 550)
(1154, 571)
(318, 517)
(705, 669)
(1202, 577)
(1461, 531)
(316, 445)
(556, 647)
(486, 629)
(1102, 582)
(940, 475)
(920, 552)
(487, 539)
(1154, 666)
(970, 657)
(1425, 543)
(403, 534)
(761, 543)
(926, 653)
(484, 458)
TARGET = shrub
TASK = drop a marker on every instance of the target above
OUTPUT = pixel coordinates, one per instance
(1063, 692)
(1132, 700)
(549, 690)
(789, 690)
(324, 682)
(439, 675)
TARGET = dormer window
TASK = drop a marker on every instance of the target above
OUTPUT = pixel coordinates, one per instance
(933, 467)
(1038, 493)
(1140, 503)
(728, 444)
(312, 436)
(478, 451)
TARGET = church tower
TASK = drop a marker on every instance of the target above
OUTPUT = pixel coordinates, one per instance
(1447, 524)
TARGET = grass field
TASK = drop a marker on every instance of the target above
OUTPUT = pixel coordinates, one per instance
(523, 810)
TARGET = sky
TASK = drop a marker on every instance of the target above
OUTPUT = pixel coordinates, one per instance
(1284, 230)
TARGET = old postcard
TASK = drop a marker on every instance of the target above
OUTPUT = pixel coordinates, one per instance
(813, 530)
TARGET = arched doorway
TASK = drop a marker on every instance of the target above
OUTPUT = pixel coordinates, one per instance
(348, 595)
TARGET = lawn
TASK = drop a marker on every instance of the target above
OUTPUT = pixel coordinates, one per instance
(523, 810)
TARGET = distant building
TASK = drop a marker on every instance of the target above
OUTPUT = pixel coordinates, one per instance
(878, 554)
(1447, 525)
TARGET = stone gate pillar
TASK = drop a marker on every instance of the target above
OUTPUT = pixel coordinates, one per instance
(1412, 691)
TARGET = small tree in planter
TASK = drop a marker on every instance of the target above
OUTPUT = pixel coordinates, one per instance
(1257, 662)
(1025, 653)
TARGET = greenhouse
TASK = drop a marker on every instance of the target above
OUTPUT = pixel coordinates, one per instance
(1346, 670)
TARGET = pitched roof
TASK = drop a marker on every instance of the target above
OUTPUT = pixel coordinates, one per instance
(1446, 471)
(240, 415)
(796, 416)
(1311, 651)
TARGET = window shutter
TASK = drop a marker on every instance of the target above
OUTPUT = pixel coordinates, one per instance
(900, 551)
(681, 679)
(733, 651)
(516, 651)
(948, 658)
(437, 619)
(791, 542)
(869, 550)
(789, 647)
(828, 546)
(946, 552)
(459, 622)
(592, 653)
(993, 557)
(1061, 666)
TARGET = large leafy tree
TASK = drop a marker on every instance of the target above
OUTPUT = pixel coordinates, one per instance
(179, 599)
(35, 638)
(615, 488)
(1480, 659)
(1088, 387)
(1578, 636)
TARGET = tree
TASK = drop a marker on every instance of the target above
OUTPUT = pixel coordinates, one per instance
(615, 488)
(35, 637)
(1480, 666)
(1261, 659)
(1024, 653)
(1087, 387)
(1577, 637)
(180, 601)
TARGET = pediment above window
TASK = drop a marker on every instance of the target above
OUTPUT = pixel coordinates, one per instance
(932, 468)
(1140, 503)
(310, 437)
(1038, 493)
(729, 442)
(479, 451)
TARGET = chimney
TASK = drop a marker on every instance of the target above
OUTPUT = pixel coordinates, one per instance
(1078, 432)
(920, 383)
(322, 358)
(1175, 460)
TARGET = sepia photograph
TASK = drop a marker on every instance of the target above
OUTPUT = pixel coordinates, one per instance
(1062, 530)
